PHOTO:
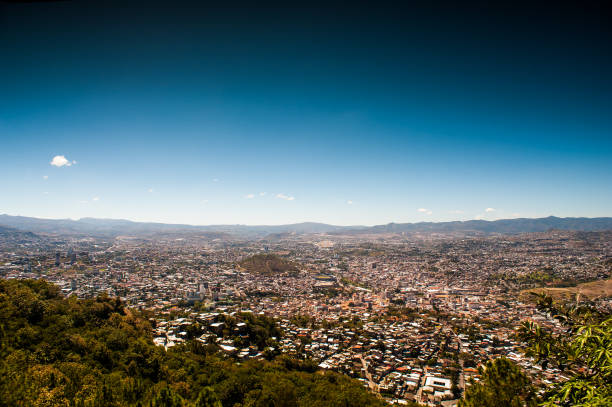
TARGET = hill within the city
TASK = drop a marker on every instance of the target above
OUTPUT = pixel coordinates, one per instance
(114, 227)
(96, 352)
(268, 264)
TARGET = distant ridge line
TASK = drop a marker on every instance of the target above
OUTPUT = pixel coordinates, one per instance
(116, 227)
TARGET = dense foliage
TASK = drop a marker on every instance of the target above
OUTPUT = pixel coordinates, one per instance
(70, 352)
(583, 350)
(503, 384)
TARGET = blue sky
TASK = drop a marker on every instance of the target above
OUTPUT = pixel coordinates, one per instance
(277, 116)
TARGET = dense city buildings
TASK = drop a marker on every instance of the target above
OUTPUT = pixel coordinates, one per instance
(411, 316)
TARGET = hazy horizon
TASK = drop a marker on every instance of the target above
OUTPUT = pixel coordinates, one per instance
(297, 223)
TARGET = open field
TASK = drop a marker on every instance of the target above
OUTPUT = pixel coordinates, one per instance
(591, 290)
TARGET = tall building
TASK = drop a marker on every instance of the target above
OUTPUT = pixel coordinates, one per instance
(57, 259)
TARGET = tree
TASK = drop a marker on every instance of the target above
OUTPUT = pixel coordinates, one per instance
(93, 352)
(166, 397)
(207, 398)
(583, 350)
(503, 384)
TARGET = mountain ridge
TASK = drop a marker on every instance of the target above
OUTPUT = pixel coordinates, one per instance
(116, 227)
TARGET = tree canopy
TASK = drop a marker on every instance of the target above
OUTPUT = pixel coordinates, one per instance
(583, 350)
(96, 352)
(503, 384)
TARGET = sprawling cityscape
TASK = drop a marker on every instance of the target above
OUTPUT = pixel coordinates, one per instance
(411, 316)
(305, 204)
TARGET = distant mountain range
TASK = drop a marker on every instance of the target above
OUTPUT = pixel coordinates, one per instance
(503, 226)
(118, 227)
(8, 234)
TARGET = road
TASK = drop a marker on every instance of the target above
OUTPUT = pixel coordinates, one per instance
(461, 383)
(368, 375)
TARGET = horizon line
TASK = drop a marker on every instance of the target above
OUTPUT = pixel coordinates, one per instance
(304, 222)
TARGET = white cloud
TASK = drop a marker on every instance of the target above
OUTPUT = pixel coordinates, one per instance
(456, 211)
(250, 196)
(424, 210)
(61, 161)
(489, 214)
(285, 197)
(204, 201)
(95, 199)
(45, 177)
(215, 180)
(150, 190)
(349, 202)
(262, 194)
(83, 202)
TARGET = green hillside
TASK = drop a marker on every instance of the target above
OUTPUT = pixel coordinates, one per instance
(70, 352)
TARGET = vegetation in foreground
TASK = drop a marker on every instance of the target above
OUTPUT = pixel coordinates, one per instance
(71, 352)
(503, 384)
(583, 351)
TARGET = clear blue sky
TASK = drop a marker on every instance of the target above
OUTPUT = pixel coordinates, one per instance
(179, 113)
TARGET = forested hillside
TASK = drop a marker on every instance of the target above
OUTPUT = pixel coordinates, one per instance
(70, 352)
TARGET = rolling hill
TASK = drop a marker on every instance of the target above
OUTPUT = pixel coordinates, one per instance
(268, 264)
